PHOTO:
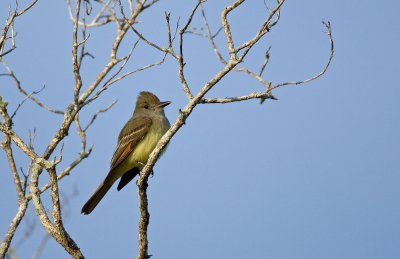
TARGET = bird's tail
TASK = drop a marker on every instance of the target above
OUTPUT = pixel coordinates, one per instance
(96, 198)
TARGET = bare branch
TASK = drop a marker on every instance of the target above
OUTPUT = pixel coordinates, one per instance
(56, 230)
(278, 14)
(113, 81)
(66, 171)
(82, 44)
(113, 60)
(29, 6)
(5, 244)
(6, 145)
(182, 78)
(223, 61)
(167, 16)
(254, 95)
(143, 221)
(150, 4)
(30, 96)
(252, 74)
(3, 37)
(211, 37)
(165, 50)
(130, 6)
(10, 157)
(121, 10)
(332, 50)
(30, 226)
(9, 133)
(10, 24)
(75, 60)
(65, 200)
(22, 202)
(266, 26)
(98, 112)
(227, 29)
(266, 60)
(72, 110)
(99, 20)
(24, 100)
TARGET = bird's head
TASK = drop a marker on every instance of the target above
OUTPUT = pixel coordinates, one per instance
(149, 103)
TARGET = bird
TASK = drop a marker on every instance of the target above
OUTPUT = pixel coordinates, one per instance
(136, 141)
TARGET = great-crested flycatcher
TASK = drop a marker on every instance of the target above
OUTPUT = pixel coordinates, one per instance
(136, 141)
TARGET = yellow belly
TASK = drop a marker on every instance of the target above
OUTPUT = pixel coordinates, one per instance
(138, 158)
(142, 152)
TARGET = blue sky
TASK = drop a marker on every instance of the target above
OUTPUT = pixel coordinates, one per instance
(312, 175)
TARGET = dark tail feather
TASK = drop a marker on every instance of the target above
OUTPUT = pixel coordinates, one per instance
(127, 177)
(95, 199)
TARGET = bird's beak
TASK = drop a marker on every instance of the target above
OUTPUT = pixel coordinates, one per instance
(163, 104)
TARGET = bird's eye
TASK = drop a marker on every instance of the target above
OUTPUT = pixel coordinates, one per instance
(146, 106)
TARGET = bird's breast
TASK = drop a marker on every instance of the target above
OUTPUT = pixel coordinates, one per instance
(141, 153)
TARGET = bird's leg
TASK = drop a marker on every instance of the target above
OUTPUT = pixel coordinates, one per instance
(143, 164)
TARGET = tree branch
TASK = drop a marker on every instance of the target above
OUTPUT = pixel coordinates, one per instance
(325, 68)
(5, 244)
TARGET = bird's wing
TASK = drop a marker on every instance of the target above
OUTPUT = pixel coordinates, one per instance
(130, 136)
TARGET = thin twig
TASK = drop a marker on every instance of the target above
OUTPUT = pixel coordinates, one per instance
(332, 50)
(182, 78)
(19, 87)
(24, 100)
(148, 42)
(211, 37)
(23, 147)
(255, 95)
(265, 27)
(99, 20)
(5, 244)
(135, 71)
(97, 114)
(266, 60)
(66, 171)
